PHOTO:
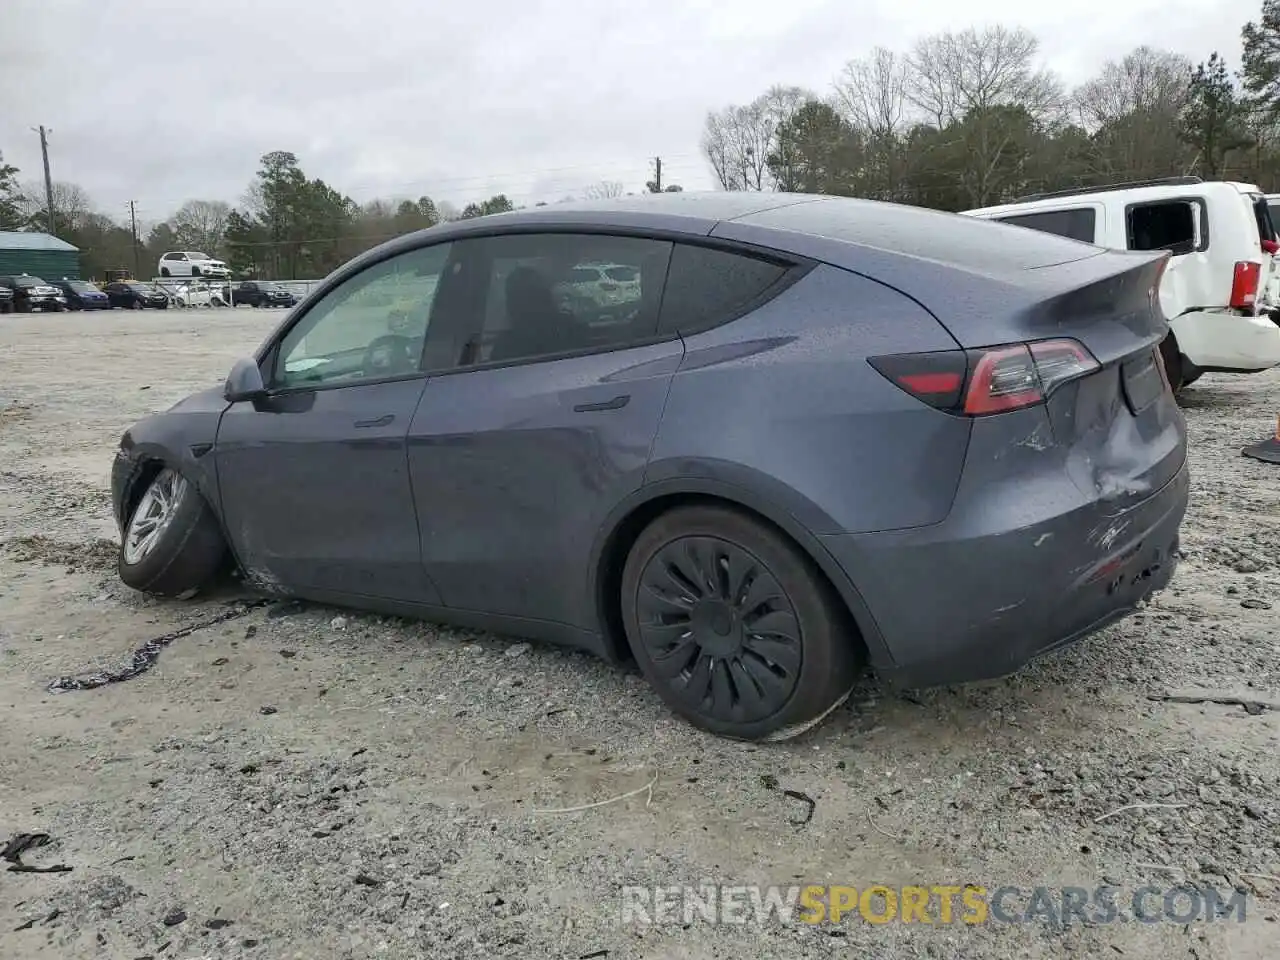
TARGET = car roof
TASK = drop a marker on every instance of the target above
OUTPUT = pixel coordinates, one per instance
(786, 222)
(1120, 194)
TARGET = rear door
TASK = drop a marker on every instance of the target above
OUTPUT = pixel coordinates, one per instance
(538, 422)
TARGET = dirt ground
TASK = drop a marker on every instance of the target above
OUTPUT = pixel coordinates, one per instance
(314, 783)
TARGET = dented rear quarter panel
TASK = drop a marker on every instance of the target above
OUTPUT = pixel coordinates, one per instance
(783, 402)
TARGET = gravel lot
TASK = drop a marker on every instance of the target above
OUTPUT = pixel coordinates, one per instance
(312, 783)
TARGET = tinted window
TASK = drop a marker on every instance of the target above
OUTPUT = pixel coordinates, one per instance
(370, 327)
(1079, 224)
(1266, 224)
(1168, 225)
(707, 287)
(546, 294)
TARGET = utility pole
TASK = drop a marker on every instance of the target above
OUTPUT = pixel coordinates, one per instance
(48, 179)
(657, 176)
(133, 219)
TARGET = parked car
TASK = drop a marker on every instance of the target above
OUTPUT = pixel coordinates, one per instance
(32, 295)
(135, 295)
(6, 299)
(604, 285)
(262, 293)
(835, 431)
(188, 263)
(194, 294)
(1222, 287)
(83, 295)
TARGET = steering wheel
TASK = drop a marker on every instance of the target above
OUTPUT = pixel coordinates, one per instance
(391, 355)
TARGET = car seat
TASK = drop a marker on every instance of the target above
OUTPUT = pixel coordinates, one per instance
(535, 324)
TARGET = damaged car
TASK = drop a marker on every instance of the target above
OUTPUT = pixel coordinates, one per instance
(818, 434)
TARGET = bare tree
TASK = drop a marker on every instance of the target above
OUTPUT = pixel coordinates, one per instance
(737, 140)
(1145, 81)
(1132, 108)
(871, 93)
(71, 205)
(604, 190)
(200, 224)
(951, 74)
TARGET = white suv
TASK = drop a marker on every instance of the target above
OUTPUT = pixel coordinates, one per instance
(185, 263)
(1219, 290)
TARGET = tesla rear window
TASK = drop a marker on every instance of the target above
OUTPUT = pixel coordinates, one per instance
(707, 287)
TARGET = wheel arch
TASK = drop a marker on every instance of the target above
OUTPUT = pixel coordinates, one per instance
(630, 518)
(154, 444)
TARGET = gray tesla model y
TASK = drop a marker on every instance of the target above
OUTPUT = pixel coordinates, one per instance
(755, 442)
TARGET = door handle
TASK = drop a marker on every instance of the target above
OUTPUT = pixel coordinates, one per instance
(617, 403)
(381, 421)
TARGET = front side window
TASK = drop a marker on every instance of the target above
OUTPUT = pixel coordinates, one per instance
(558, 293)
(370, 327)
(1077, 224)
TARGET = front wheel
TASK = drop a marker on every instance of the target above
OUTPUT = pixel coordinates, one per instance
(734, 627)
(172, 543)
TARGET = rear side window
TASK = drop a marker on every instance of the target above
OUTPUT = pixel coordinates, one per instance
(707, 287)
(1078, 224)
(548, 295)
(1175, 225)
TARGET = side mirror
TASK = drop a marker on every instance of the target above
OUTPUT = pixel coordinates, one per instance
(244, 382)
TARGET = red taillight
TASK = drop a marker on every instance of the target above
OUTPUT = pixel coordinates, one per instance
(1244, 285)
(993, 380)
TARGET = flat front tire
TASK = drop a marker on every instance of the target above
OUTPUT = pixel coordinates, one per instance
(172, 543)
(734, 627)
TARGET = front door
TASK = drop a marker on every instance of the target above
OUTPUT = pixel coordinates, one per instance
(519, 453)
(314, 478)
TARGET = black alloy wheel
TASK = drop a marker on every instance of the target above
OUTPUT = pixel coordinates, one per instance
(734, 627)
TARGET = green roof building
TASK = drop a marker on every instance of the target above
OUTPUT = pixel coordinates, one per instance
(38, 254)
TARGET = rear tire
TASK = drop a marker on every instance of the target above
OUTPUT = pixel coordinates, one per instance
(734, 627)
(164, 272)
(1172, 358)
(185, 548)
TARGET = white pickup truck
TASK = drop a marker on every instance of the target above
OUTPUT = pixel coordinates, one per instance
(1221, 290)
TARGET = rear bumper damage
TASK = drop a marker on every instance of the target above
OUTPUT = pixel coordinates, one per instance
(1220, 340)
(956, 603)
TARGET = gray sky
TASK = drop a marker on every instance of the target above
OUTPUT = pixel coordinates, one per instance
(161, 101)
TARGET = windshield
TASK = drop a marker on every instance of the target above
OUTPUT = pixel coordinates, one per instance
(82, 286)
(25, 282)
(141, 287)
(199, 256)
